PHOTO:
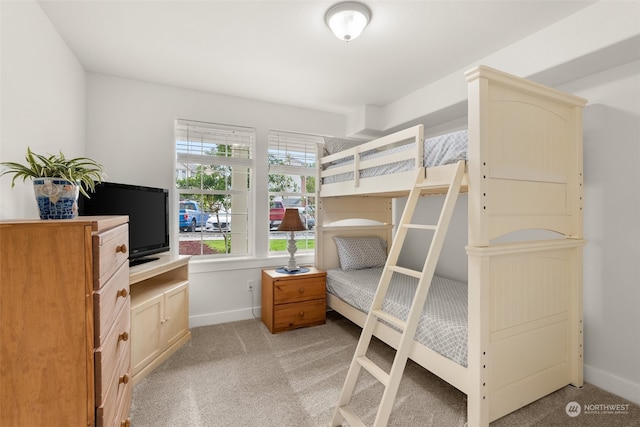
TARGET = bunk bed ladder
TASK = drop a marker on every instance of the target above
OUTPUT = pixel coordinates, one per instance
(391, 380)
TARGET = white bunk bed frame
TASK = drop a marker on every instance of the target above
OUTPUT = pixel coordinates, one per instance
(524, 171)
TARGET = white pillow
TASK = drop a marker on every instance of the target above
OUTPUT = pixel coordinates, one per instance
(358, 252)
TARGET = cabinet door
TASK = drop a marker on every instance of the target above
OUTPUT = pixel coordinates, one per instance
(176, 314)
(146, 321)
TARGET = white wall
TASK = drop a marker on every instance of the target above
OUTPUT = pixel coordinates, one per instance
(130, 129)
(42, 95)
(611, 212)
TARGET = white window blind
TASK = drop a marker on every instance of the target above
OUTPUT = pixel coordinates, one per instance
(292, 175)
(214, 164)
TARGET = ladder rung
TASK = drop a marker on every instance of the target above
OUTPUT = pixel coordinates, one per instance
(350, 417)
(433, 184)
(420, 226)
(374, 370)
(383, 315)
(406, 271)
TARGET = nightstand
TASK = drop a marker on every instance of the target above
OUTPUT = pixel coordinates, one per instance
(291, 301)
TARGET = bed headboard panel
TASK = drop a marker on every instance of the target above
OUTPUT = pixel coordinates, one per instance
(525, 157)
(332, 209)
(349, 216)
(326, 251)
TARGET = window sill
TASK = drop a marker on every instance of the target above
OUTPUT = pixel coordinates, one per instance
(207, 265)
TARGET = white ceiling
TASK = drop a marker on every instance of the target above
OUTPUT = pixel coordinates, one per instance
(282, 51)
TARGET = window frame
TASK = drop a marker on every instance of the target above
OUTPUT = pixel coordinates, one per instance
(234, 140)
(282, 145)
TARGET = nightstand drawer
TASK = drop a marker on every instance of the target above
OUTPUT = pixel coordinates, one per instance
(298, 290)
(296, 315)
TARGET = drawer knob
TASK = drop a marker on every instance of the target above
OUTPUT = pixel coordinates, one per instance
(123, 293)
(301, 290)
(121, 248)
(123, 379)
(302, 314)
(123, 336)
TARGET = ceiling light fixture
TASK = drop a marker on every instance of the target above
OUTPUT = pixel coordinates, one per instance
(347, 19)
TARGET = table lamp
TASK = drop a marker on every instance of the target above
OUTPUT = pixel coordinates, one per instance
(291, 222)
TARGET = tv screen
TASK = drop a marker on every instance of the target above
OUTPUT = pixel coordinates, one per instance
(148, 210)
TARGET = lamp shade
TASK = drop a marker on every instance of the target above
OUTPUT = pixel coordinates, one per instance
(347, 19)
(291, 221)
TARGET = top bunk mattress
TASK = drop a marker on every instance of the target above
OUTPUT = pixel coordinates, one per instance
(438, 150)
(443, 323)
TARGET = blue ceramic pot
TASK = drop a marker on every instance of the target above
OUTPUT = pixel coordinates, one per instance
(56, 198)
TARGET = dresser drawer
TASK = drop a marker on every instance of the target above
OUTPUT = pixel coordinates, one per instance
(286, 291)
(296, 315)
(110, 251)
(108, 301)
(122, 416)
(108, 410)
(114, 356)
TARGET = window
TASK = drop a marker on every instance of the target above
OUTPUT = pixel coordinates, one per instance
(292, 184)
(214, 166)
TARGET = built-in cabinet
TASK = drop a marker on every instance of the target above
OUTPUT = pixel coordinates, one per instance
(65, 322)
(159, 312)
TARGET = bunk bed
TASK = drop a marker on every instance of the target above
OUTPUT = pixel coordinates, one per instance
(522, 335)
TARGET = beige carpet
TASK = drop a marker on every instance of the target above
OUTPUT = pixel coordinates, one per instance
(239, 374)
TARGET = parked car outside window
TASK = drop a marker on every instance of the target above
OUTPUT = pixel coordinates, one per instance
(276, 214)
(219, 221)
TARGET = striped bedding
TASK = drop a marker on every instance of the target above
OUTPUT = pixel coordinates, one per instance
(438, 150)
(443, 325)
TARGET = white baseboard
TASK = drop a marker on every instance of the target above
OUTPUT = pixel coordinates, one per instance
(224, 317)
(613, 384)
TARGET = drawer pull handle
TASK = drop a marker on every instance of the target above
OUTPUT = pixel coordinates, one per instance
(121, 248)
(302, 314)
(301, 290)
(123, 336)
(123, 379)
(122, 293)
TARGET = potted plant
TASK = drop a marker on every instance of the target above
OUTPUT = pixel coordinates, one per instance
(57, 181)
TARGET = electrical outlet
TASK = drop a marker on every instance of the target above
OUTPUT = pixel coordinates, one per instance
(250, 286)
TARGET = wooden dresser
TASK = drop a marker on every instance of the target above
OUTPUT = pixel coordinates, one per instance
(65, 322)
(291, 301)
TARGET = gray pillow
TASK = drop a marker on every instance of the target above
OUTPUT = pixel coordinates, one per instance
(358, 252)
(335, 145)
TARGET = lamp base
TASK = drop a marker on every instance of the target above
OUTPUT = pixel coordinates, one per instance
(290, 269)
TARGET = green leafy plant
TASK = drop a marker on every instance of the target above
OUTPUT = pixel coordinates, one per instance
(81, 170)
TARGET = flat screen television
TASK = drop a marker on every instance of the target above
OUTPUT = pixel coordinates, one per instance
(148, 210)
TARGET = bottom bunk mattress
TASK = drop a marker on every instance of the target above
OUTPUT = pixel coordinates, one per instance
(443, 324)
